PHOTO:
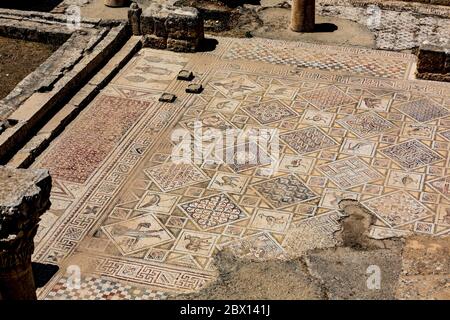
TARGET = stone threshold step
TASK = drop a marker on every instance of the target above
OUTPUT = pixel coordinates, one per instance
(39, 142)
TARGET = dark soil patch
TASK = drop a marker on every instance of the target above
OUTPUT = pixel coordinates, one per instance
(18, 58)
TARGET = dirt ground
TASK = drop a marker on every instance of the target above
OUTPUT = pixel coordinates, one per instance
(18, 58)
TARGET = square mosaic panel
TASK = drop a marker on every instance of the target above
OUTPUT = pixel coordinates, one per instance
(349, 173)
(308, 140)
(424, 110)
(397, 209)
(170, 176)
(366, 124)
(327, 98)
(411, 154)
(284, 191)
(213, 211)
(269, 111)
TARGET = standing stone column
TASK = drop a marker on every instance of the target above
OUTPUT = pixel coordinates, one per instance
(24, 197)
(303, 15)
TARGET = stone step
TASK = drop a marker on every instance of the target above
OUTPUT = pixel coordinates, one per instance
(25, 156)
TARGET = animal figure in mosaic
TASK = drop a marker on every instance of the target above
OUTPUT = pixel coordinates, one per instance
(142, 231)
(272, 220)
(196, 243)
(228, 181)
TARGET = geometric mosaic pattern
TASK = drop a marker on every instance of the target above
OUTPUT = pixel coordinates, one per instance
(284, 191)
(96, 288)
(268, 112)
(397, 208)
(411, 154)
(171, 176)
(134, 217)
(349, 173)
(327, 98)
(424, 110)
(366, 124)
(307, 140)
(213, 211)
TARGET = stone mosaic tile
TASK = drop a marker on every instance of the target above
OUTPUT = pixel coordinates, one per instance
(97, 288)
(367, 124)
(411, 154)
(307, 140)
(350, 172)
(213, 211)
(284, 191)
(269, 111)
(78, 154)
(327, 98)
(171, 176)
(320, 57)
(397, 209)
(140, 218)
(424, 110)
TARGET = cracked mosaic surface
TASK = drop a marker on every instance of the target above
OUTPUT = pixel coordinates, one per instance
(134, 219)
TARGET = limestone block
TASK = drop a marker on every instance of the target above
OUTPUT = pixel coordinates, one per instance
(24, 197)
(152, 41)
(185, 24)
(182, 45)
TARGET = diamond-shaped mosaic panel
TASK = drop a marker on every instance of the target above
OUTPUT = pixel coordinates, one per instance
(349, 173)
(366, 124)
(308, 140)
(170, 176)
(327, 98)
(284, 191)
(411, 154)
(213, 211)
(442, 185)
(397, 208)
(424, 110)
(269, 111)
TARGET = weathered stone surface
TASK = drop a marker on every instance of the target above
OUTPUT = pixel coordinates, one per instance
(24, 197)
(181, 28)
(185, 75)
(167, 97)
(134, 17)
(184, 24)
(152, 41)
(194, 88)
(182, 45)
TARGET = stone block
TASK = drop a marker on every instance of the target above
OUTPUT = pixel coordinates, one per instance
(167, 97)
(185, 75)
(185, 24)
(182, 45)
(194, 88)
(152, 41)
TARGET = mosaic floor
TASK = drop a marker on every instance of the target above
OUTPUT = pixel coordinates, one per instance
(141, 226)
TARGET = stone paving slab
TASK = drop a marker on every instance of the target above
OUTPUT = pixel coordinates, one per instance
(125, 213)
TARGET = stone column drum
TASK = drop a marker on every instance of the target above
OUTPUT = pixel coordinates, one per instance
(116, 3)
(24, 197)
(303, 15)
